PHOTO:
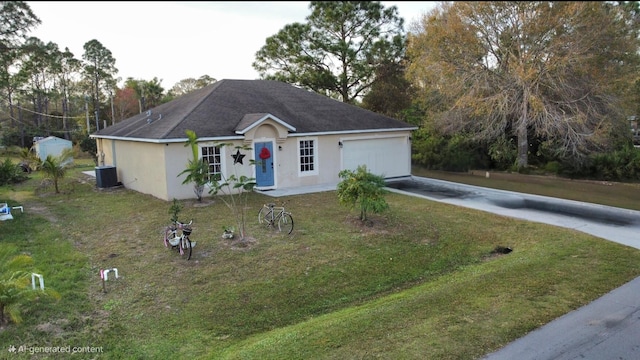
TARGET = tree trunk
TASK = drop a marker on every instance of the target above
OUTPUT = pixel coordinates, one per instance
(523, 145)
(521, 132)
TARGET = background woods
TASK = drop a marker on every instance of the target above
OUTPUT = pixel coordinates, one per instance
(523, 86)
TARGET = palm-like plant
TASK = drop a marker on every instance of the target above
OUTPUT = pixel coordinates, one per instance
(15, 272)
(197, 169)
(29, 158)
(233, 189)
(55, 168)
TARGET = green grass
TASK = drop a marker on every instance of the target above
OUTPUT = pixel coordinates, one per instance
(419, 281)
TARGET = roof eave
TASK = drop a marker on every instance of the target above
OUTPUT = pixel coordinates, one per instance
(263, 119)
(165, 141)
(343, 132)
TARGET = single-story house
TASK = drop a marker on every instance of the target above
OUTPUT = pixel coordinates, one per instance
(297, 138)
(51, 145)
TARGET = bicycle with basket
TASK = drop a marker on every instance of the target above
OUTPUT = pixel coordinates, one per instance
(177, 235)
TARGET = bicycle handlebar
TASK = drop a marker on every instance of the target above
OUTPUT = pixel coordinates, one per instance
(181, 224)
(272, 205)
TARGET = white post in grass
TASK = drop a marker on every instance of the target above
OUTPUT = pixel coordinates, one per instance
(104, 275)
(33, 281)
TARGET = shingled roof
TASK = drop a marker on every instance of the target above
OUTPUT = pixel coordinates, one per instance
(224, 108)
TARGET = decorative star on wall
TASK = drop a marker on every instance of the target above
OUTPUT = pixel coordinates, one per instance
(237, 157)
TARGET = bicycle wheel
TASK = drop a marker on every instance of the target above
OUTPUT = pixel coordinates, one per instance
(285, 223)
(185, 247)
(264, 216)
(169, 233)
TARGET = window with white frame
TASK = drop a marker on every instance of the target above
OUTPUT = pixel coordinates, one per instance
(308, 159)
(212, 157)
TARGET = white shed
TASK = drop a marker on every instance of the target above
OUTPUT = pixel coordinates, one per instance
(51, 145)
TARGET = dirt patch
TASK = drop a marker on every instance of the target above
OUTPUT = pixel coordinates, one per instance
(199, 204)
(53, 328)
(373, 225)
(97, 321)
(40, 210)
(245, 244)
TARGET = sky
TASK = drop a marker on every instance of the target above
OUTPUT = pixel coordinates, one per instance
(176, 40)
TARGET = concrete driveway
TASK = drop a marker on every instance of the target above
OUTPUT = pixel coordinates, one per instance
(614, 224)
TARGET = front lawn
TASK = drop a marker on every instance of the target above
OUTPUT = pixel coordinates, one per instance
(421, 281)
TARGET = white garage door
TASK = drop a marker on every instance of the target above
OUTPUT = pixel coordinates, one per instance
(389, 157)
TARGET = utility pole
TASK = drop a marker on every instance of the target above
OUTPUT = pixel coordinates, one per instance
(86, 107)
(113, 118)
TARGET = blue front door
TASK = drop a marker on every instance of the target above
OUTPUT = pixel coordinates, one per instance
(264, 164)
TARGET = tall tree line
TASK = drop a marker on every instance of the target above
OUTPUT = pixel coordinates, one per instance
(513, 82)
(48, 91)
(504, 82)
(45, 89)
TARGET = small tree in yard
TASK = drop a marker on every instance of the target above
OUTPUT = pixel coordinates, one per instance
(233, 190)
(174, 210)
(362, 189)
(55, 168)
